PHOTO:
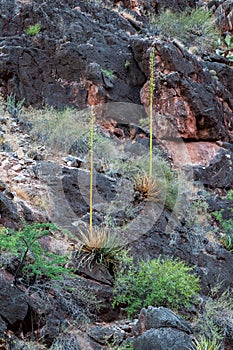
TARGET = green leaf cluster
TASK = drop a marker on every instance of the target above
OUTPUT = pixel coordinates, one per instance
(225, 47)
(34, 260)
(34, 29)
(158, 282)
(226, 225)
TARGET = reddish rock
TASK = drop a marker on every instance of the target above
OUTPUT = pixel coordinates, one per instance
(195, 153)
(188, 102)
(224, 14)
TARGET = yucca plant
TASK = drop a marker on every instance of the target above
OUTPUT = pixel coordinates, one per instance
(146, 188)
(145, 185)
(99, 245)
(206, 344)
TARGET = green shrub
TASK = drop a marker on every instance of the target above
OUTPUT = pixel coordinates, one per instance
(214, 317)
(226, 225)
(157, 282)
(195, 28)
(13, 107)
(34, 29)
(33, 259)
(225, 47)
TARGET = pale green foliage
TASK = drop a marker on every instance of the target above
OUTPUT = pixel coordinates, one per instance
(226, 225)
(13, 107)
(213, 320)
(118, 347)
(195, 28)
(109, 73)
(157, 282)
(68, 131)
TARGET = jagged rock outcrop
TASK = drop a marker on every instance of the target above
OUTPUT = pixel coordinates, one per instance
(223, 10)
(188, 101)
(14, 305)
(71, 60)
(155, 6)
(218, 174)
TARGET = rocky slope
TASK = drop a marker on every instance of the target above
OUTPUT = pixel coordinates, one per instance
(90, 53)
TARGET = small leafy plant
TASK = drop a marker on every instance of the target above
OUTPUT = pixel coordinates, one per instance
(33, 259)
(226, 225)
(109, 73)
(34, 29)
(225, 47)
(157, 282)
(13, 107)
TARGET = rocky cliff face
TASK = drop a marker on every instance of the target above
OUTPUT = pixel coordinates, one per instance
(96, 53)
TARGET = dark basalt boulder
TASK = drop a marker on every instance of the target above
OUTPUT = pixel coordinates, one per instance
(14, 306)
(8, 211)
(160, 329)
(218, 174)
(160, 317)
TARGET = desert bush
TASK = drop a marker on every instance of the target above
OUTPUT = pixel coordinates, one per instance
(33, 260)
(226, 225)
(158, 282)
(13, 107)
(215, 315)
(195, 28)
(68, 131)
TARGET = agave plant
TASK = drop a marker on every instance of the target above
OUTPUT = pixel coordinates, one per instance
(99, 245)
(146, 188)
(206, 344)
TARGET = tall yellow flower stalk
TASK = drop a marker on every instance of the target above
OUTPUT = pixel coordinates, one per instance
(91, 166)
(151, 92)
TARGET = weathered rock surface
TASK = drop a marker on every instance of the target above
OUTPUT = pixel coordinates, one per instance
(224, 14)
(68, 62)
(218, 174)
(156, 6)
(14, 306)
(163, 339)
(211, 260)
(160, 328)
(160, 317)
(188, 101)
(8, 210)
